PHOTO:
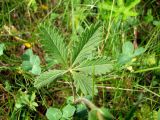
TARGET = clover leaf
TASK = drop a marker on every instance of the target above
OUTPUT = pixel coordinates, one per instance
(31, 62)
(128, 52)
(56, 114)
(53, 113)
(68, 111)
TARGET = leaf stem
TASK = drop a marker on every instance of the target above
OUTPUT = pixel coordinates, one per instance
(86, 102)
(72, 86)
(90, 105)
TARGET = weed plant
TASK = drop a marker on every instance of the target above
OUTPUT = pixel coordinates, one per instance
(79, 59)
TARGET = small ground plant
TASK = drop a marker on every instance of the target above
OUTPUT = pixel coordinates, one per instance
(79, 63)
(82, 70)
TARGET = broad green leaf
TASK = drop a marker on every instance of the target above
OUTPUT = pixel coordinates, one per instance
(53, 114)
(68, 111)
(138, 51)
(88, 42)
(84, 83)
(127, 48)
(53, 43)
(47, 77)
(1, 48)
(96, 66)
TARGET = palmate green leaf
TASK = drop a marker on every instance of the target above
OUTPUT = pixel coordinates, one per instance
(96, 66)
(47, 77)
(88, 41)
(84, 83)
(53, 43)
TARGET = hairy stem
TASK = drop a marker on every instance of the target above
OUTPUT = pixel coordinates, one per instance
(72, 87)
(90, 105)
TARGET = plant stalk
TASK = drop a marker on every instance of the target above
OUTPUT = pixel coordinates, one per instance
(90, 105)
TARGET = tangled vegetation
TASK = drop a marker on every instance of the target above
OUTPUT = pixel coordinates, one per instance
(79, 60)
